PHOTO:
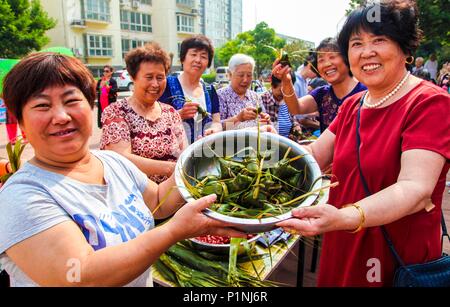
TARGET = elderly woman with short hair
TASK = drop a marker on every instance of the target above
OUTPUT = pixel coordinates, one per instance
(145, 131)
(238, 104)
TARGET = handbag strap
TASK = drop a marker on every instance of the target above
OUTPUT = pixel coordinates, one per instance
(366, 186)
(368, 193)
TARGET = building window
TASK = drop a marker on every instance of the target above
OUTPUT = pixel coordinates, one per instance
(130, 44)
(99, 45)
(97, 10)
(148, 2)
(185, 23)
(134, 21)
(189, 3)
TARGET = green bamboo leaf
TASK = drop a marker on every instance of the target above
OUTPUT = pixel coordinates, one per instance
(5, 178)
(248, 250)
(232, 261)
(17, 145)
(9, 151)
(15, 163)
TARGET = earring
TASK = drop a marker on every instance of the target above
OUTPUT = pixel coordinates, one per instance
(410, 60)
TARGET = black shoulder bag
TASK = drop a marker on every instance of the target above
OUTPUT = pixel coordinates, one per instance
(430, 274)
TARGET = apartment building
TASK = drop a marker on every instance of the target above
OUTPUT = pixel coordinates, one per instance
(101, 32)
(291, 39)
(220, 20)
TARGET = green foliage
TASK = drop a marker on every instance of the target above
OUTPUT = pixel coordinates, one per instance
(23, 24)
(300, 50)
(354, 4)
(434, 22)
(209, 78)
(254, 43)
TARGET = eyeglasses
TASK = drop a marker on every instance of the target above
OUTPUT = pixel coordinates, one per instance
(107, 71)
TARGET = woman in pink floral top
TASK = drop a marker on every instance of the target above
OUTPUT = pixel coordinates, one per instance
(147, 132)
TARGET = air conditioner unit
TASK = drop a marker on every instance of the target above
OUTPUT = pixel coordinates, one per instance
(124, 2)
(194, 11)
(78, 22)
(135, 4)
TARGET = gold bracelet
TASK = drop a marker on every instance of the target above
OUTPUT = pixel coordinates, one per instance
(363, 217)
(292, 95)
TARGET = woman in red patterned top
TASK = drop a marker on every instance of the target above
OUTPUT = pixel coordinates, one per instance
(404, 156)
(147, 132)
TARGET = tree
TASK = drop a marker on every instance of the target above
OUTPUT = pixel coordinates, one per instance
(299, 52)
(434, 18)
(258, 43)
(23, 24)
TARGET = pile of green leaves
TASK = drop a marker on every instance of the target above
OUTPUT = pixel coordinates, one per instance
(185, 267)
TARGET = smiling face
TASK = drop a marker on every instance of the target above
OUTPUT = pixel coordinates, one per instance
(376, 61)
(58, 124)
(150, 82)
(196, 61)
(332, 67)
(241, 78)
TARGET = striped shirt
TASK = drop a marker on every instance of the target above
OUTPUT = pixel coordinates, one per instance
(284, 121)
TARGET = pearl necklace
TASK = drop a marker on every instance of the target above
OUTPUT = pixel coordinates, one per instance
(388, 96)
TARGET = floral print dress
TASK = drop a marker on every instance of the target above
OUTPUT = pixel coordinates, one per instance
(162, 139)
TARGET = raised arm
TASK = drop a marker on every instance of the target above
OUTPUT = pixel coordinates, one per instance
(304, 105)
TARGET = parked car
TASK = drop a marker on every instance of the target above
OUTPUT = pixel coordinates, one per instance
(258, 87)
(222, 73)
(124, 82)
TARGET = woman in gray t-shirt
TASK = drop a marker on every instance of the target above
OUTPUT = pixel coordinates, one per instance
(72, 217)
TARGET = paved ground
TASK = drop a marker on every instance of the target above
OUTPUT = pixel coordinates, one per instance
(287, 271)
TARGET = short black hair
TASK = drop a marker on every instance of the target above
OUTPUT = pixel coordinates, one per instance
(311, 58)
(274, 81)
(199, 42)
(399, 21)
(111, 69)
